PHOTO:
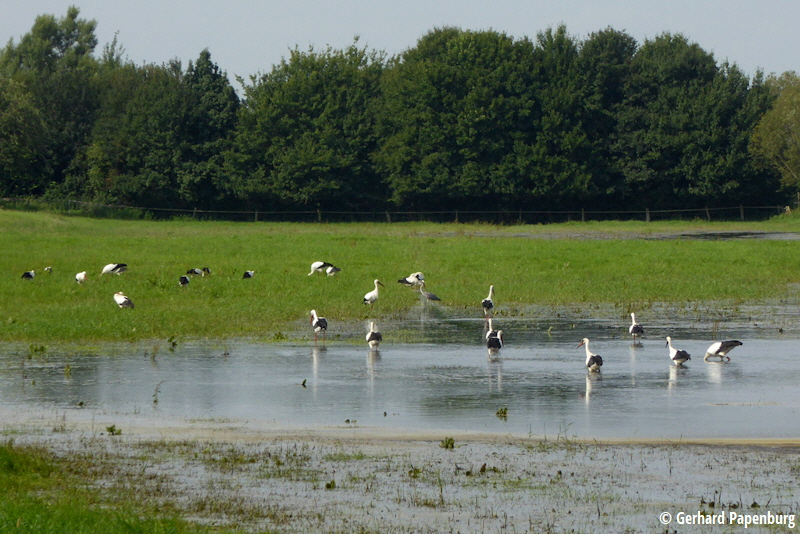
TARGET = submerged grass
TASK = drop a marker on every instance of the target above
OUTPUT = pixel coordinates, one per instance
(459, 262)
(42, 495)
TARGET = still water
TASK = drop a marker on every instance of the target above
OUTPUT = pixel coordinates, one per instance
(446, 385)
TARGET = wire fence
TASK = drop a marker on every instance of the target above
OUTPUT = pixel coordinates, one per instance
(505, 217)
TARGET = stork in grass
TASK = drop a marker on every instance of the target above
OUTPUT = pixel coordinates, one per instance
(372, 296)
(413, 280)
(122, 300)
(183, 281)
(248, 274)
(116, 268)
(29, 275)
(80, 277)
(593, 361)
(324, 267)
(374, 337)
(678, 357)
(319, 324)
(720, 350)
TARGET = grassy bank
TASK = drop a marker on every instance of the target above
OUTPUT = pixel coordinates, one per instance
(44, 494)
(560, 267)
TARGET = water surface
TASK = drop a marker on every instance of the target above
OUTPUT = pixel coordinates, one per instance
(447, 385)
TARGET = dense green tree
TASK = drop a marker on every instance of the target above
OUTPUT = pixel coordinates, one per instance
(21, 141)
(605, 65)
(54, 63)
(776, 139)
(160, 135)
(683, 129)
(457, 120)
(305, 133)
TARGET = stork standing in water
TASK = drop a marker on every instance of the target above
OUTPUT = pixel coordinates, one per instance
(427, 294)
(372, 296)
(487, 304)
(593, 361)
(374, 337)
(80, 277)
(635, 328)
(320, 324)
(678, 356)
(122, 300)
(412, 280)
(116, 268)
(494, 339)
(720, 350)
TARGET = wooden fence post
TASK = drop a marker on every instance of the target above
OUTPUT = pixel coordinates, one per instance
(256, 216)
(708, 214)
(456, 215)
(583, 215)
(647, 215)
(319, 216)
(741, 212)
(388, 218)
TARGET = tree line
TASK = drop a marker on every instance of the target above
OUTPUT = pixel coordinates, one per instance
(471, 120)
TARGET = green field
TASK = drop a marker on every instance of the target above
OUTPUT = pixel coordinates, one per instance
(552, 265)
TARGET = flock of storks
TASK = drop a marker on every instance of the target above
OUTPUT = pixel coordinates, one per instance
(494, 338)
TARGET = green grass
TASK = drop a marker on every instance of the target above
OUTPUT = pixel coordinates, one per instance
(42, 495)
(459, 262)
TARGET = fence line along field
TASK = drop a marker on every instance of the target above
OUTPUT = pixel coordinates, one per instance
(553, 265)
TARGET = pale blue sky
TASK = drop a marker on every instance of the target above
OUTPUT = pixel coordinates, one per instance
(248, 36)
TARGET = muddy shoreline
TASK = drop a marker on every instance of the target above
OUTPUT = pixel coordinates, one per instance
(353, 479)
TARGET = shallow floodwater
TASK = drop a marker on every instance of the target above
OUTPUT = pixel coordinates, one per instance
(450, 385)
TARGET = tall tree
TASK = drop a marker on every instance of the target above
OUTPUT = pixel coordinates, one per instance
(458, 108)
(21, 140)
(54, 63)
(679, 139)
(305, 134)
(776, 140)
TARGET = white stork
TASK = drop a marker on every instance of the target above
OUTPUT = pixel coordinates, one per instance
(427, 294)
(374, 337)
(323, 267)
(122, 300)
(116, 268)
(487, 304)
(202, 272)
(80, 277)
(678, 356)
(412, 280)
(372, 296)
(720, 349)
(248, 274)
(635, 328)
(494, 339)
(183, 281)
(593, 361)
(28, 275)
(320, 324)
